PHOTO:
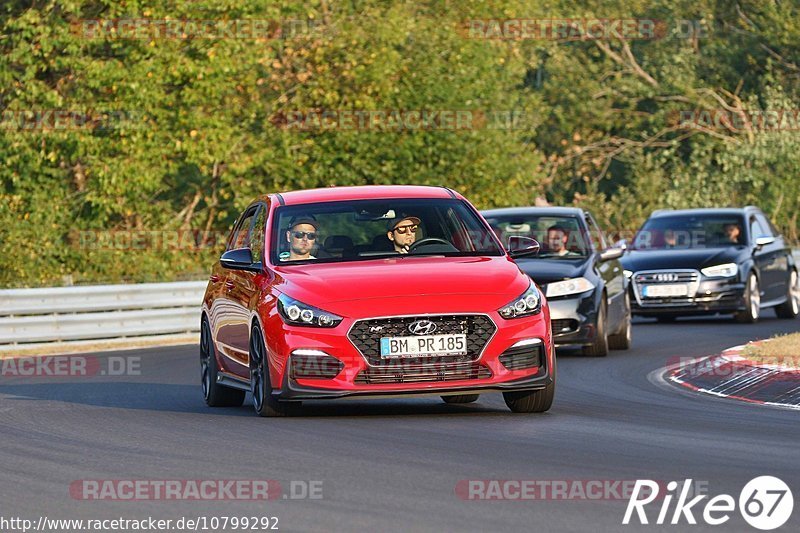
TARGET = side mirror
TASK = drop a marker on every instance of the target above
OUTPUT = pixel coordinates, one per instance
(610, 254)
(519, 246)
(239, 259)
(764, 241)
(622, 244)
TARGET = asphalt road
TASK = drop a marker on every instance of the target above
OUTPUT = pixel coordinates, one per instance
(393, 465)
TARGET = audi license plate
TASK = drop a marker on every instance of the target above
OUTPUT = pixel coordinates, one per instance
(665, 291)
(420, 345)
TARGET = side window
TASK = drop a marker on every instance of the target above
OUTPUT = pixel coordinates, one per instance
(756, 230)
(596, 236)
(257, 237)
(762, 221)
(241, 236)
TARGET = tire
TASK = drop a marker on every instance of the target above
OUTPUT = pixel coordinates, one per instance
(791, 307)
(263, 401)
(537, 401)
(461, 398)
(599, 348)
(622, 339)
(214, 394)
(752, 302)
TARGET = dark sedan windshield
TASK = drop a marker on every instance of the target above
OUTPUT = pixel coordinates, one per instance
(560, 237)
(365, 229)
(691, 232)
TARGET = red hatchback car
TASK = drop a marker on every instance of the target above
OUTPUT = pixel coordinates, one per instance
(369, 292)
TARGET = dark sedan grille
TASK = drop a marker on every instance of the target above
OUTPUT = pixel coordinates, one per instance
(366, 335)
(690, 278)
(404, 372)
(564, 325)
(654, 278)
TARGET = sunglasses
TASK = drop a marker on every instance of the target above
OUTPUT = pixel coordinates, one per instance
(402, 230)
(312, 235)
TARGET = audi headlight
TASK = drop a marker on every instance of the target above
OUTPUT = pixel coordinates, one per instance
(296, 313)
(528, 304)
(728, 270)
(568, 286)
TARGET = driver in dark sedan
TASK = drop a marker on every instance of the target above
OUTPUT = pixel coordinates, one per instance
(557, 238)
(402, 231)
(732, 233)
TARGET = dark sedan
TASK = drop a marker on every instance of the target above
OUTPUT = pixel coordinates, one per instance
(580, 275)
(700, 261)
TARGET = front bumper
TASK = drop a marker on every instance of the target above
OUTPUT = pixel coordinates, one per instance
(349, 382)
(574, 319)
(711, 296)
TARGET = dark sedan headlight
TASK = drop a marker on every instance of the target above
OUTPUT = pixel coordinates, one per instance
(529, 303)
(728, 270)
(296, 313)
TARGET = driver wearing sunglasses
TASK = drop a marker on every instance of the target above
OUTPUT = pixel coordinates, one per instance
(302, 237)
(402, 231)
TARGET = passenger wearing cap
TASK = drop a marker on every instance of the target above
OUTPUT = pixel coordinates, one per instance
(301, 236)
(403, 232)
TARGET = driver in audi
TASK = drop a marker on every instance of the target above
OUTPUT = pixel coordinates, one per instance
(402, 231)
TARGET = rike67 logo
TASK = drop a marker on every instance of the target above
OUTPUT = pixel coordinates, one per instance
(765, 503)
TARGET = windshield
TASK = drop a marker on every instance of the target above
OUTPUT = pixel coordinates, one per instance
(691, 232)
(560, 237)
(369, 229)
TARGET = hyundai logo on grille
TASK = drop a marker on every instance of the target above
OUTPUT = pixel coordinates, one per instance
(422, 327)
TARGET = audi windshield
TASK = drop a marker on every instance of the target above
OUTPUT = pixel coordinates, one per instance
(691, 232)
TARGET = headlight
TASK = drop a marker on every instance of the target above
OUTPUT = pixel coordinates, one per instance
(628, 274)
(528, 304)
(297, 313)
(568, 286)
(728, 270)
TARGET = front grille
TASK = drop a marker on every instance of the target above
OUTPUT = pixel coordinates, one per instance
(690, 278)
(400, 371)
(522, 357)
(667, 276)
(564, 325)
(366, 334)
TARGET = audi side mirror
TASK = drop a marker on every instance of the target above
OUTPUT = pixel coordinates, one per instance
(519, 246)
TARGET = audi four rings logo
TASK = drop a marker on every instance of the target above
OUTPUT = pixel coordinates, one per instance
(666, 277)
(422, 327)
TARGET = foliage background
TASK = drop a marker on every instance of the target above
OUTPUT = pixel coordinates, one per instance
(601, 126)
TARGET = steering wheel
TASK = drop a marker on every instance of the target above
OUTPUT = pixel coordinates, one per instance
(429, 240)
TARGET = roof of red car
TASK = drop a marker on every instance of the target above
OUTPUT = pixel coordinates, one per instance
(366, 192)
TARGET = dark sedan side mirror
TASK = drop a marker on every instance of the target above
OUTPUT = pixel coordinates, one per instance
(519, 246)
(610, 254)
(239, 259)
(764, 241)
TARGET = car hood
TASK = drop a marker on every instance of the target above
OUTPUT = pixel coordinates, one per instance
(491, 281)
(545, 271)
(637, 260)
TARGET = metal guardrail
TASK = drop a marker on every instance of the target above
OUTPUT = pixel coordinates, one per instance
(103, 312)
(99, 312)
